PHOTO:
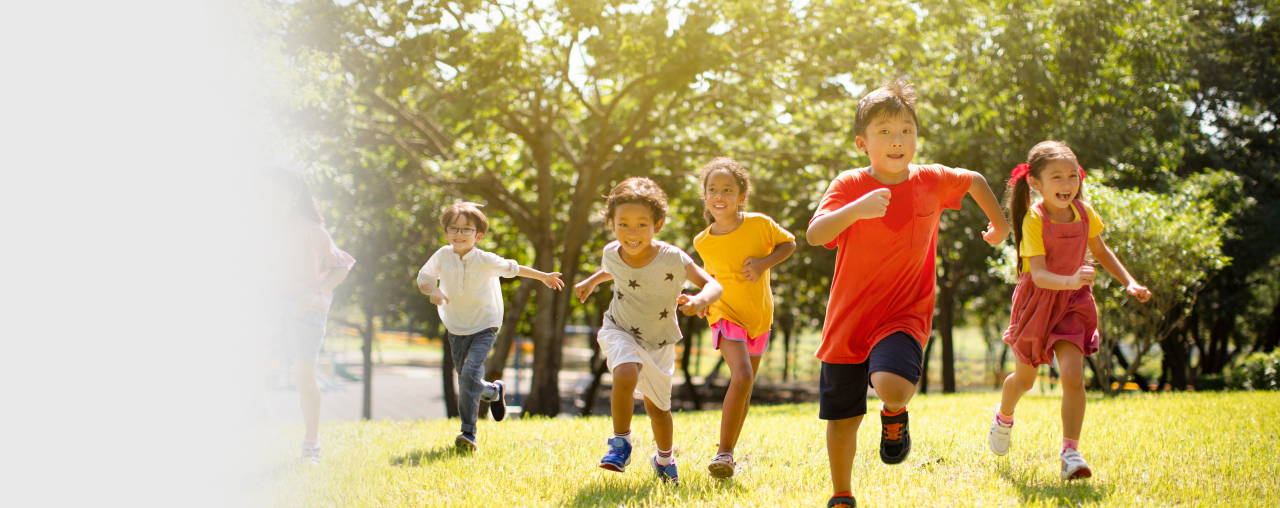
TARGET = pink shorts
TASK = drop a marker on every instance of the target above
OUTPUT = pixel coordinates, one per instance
(731, 331)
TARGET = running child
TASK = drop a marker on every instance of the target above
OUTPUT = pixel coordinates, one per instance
(738, 249)
(1053, 309)
(640, 332)
(307, 266)
(471, 308)
(884, 220)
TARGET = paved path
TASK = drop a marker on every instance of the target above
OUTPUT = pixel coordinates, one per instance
(399, 392)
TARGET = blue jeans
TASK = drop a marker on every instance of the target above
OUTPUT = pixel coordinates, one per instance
(469, 353)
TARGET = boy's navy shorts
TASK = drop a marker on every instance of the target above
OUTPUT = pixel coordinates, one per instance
(842, 389)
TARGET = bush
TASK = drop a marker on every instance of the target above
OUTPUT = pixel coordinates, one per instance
(1258, 371)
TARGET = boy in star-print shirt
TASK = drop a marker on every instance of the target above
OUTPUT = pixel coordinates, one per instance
(639, 333)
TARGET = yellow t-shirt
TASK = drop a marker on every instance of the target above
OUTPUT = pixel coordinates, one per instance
(749, 304)
(1033, 231)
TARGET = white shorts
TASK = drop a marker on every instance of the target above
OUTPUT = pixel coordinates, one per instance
(656, 367)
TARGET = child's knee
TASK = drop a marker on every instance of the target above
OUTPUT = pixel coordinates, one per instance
(1072, 378)
(626, 372)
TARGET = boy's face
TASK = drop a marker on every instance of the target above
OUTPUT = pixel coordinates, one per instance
(634, 227)
(890, 142)
(1059, 183)
(462, 234)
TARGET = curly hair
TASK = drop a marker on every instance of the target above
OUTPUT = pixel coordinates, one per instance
(735, 170)
(894, 97)
(468, 210)
(638, 190)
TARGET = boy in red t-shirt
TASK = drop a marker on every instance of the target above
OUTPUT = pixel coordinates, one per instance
(884, 219)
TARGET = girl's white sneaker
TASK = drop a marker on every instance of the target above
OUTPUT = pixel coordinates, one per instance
(1001, 434)
(1074, 466)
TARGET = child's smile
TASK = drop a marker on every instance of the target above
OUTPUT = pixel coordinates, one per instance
(1058, 184)
(634, 227)
(722, 195)
(890, 143)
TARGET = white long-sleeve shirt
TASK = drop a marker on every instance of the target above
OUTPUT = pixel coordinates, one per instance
(471, 283)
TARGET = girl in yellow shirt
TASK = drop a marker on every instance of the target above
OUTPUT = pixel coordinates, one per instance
(738, 249)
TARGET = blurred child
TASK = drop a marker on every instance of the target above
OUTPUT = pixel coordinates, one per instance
(1053, 308)
(308, 265)
(640, 332)
(471, 307)
(884, 220)
(738, 249)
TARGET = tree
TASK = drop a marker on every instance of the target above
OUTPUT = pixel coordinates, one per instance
(1169, 243)
(535, 110)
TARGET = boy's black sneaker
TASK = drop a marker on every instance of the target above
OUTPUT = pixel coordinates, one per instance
(895, 438)
(498, 407)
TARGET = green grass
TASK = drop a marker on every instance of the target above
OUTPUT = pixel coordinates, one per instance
(1202, 449)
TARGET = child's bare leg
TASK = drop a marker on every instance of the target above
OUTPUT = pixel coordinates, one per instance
(1071, 365)
(663, 428)
(742, 369)
(894, 390)
(842, 446)
(1016, 384)
(621, 400)
(304, 377)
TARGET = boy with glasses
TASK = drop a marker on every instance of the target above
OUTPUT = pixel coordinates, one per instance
(471, 308)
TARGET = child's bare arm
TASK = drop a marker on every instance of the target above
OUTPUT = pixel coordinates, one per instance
(584, 288)
(1042, 277)
(697, 304)
(552, 280)
(998, 228)
(827, 227)
(754, 268)
(1112, 264)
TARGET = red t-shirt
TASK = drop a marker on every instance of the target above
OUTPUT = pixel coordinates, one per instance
(885, 268)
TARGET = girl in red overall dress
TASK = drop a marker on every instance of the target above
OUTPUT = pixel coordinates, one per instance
(1053, 311)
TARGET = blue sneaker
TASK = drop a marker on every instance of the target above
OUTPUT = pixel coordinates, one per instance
(668, 472)
(618, 457)
(466, 442)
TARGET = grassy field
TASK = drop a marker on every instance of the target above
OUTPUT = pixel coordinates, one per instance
(1199, 449)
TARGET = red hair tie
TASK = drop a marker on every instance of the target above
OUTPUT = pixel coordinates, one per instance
(1019, 172)
(1081, 172)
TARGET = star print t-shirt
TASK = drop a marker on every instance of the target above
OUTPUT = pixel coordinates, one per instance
(644, 299)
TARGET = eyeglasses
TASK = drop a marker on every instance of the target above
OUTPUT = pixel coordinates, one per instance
(460, 231)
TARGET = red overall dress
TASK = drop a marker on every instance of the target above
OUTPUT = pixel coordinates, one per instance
(1040, 317)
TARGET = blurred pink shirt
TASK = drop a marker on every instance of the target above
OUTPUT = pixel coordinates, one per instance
(304, 257)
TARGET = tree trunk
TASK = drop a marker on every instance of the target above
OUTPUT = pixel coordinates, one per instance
(1004, 356)
(946, 318)
(691, 329)
(924, 365)
(1269, 341)
(366, 411)
(497, 361)
(1219, 337)
(544, 393)
(786, 322)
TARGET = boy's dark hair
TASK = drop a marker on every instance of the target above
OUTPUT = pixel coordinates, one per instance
(305, 205)
(466, 209)
(728, 165)
(1017, 198)
(895, 97)
(639, 190)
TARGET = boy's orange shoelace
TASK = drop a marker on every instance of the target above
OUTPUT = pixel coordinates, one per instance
(893, 431)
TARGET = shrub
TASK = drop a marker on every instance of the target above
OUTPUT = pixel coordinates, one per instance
(1258, 371)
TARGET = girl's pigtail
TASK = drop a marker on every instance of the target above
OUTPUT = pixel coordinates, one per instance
(1017, 201)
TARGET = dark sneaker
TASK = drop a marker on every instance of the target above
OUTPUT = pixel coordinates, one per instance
(895, 438)
(618, 456)
(667, 473)
(498, 406)
(466, 442)
(842, 502)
